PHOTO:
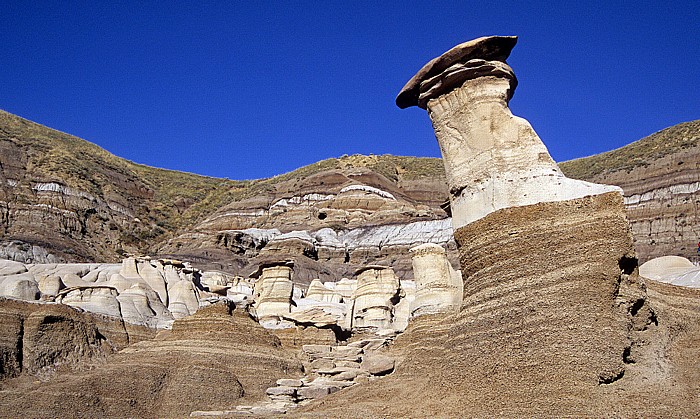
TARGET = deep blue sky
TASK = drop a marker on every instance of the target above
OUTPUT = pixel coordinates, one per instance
(253, 89)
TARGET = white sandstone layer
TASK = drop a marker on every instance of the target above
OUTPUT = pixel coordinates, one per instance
(493, 159)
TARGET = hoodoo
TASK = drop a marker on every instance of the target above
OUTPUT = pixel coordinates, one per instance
(493, 159)
(548, 263)
(553, 312)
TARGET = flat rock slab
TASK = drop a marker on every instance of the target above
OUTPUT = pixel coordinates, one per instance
(281, 390)
(290, 382)
(316, 348)
(369, 344)
(313, 392)
(488, 48)
(335, 371)
(347, 364)
(350, 375)
(269, 410)
(377, 364)
(322, 363)
(347, 351)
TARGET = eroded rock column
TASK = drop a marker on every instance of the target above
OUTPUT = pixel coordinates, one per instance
(493, 159)
(376, 294)
(551, 293)
(274, 295)
(438, 286)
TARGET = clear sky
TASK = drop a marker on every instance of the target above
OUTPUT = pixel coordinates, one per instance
(250, 89)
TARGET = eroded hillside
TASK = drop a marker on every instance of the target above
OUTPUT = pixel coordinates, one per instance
(660, 175)
(65, 199)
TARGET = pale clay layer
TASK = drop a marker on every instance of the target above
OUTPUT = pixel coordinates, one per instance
(493, 159)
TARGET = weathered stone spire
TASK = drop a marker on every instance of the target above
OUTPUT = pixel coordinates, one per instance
(493, 159)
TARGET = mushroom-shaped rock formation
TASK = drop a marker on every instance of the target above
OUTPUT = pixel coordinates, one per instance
(552, 303)
(493, 159)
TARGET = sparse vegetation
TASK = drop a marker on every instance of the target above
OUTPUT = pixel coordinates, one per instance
(639, 153)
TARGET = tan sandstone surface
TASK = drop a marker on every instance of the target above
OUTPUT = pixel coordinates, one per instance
(212, 360)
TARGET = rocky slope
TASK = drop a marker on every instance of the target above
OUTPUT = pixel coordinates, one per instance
(64, 199)
(660, 175)
(215, 359)
(453, 375)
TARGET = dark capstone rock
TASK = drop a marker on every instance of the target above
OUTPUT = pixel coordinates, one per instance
(488, 48)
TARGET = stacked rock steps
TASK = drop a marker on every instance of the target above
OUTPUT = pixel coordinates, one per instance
(329, 368)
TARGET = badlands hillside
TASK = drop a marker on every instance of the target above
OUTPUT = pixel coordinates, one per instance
(63, 199)
(660, 175)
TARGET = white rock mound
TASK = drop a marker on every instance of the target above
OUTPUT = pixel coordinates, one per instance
(673, 270)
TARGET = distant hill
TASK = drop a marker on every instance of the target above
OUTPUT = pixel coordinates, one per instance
(65, 199)
(660, 175)
(78, 202)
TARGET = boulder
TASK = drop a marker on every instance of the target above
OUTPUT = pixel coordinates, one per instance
(183, 298)
(50, 285)
(377, 364)
(488, 48)
(100, 299)
(21, 286)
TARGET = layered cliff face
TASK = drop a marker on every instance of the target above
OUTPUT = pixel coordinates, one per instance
(331, 218)
(64, 199)
(660, 176)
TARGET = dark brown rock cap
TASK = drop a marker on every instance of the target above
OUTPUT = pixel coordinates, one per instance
(488, 48)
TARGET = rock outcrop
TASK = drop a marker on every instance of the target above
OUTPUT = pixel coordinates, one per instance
(37, 338)
(273, 296)
(215, 359)
(377, 291)
(138, 291)
(439, 287)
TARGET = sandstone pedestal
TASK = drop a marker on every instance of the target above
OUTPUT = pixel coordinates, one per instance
(274, 296)
(438, 286)
(376, 294)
